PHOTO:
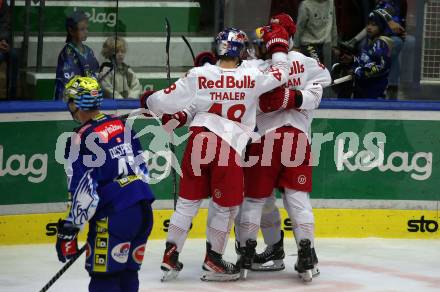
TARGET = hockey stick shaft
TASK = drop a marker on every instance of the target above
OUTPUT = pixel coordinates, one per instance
(172, 147)
(189, 47)
(341, 80)
(63, 269)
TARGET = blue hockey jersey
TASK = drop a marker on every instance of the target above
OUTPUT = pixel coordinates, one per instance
(372, 67)
(72, 62)
(107, 172)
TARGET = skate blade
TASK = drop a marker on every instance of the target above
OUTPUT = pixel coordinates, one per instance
(315, 272)
(243, 273)
(219, 277)
(169, 275)
(270, 266)
(307, 276)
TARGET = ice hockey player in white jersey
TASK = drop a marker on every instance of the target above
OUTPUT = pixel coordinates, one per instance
(284, 163)
(221, 100)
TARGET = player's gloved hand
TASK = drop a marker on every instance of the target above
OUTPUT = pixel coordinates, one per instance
(176, 120)
(276, 38)
(144, 98)
(205, 57)
(358, 73)
(280, 98)
(67, 241)
(285, 21)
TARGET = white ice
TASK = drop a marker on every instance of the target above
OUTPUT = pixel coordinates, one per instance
(346, 265)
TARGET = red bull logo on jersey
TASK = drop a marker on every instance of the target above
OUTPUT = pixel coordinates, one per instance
(110, 129)
(120, 252)
(226, 82)
(296, 68)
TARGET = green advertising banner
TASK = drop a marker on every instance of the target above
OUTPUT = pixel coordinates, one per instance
(30, 174)
(409, 157)
(133, 16)
(371, 159)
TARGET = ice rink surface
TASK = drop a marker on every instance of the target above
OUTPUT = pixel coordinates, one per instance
(346, 265)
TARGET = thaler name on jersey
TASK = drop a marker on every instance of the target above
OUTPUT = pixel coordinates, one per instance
(227, 95)
(226, 82)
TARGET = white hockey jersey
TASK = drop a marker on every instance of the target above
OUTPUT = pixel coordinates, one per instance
(222, 100)
(306, 75)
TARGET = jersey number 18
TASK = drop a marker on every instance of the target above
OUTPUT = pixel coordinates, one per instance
(234, 113)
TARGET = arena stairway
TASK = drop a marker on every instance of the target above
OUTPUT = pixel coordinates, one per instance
(141, 23)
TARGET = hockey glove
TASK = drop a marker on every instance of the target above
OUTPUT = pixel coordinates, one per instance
(285, 21)
(67, 241)
(276, 38)
(144, 98)
(205, 57)
(359, 73)
(280, 98)
(176, 120)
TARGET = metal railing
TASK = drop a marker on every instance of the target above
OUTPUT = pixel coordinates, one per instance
(431, 42)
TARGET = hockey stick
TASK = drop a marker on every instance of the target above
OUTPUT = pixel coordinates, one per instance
(63, 269)
(341, 80)
(189, 47)
(172, 148)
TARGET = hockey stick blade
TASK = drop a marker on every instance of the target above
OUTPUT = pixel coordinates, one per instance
(189, 47)
(63, 269)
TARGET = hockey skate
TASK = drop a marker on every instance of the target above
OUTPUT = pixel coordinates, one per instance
(271, 259)
(315, 271)
(246, 256)
(170, 263)
(305, 261)
(217, 269)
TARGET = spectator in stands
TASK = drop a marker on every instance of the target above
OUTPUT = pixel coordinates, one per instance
(397, 10)
(7, 53)
(372, 65)
(350, 24)
(75, 58)
(126, 83)
(316, 26)
(394, 13)
(285, 6)
(342, 68)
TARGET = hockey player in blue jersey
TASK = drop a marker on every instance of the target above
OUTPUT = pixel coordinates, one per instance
(372, 65)
(108, 189)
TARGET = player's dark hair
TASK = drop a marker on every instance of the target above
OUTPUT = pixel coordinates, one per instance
(72, 22)
(227, 58)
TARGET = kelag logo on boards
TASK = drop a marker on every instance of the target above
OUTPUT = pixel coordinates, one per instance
(422, 225)
(15, 165)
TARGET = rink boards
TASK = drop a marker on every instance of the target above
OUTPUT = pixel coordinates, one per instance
(397, 198)
(40, 228)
